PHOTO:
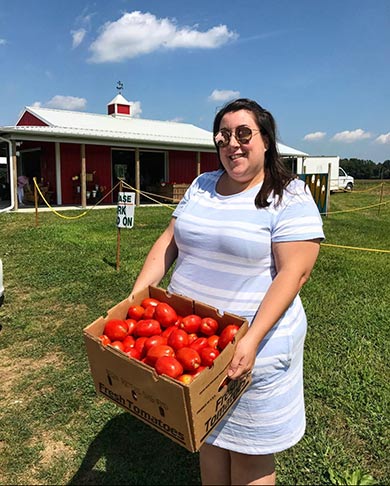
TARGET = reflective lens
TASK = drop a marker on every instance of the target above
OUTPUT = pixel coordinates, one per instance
(243, 135)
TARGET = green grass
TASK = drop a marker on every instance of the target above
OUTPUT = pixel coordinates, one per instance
(61, 275)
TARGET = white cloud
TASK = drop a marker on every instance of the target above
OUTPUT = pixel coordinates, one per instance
(223, 95)
(312, 137)
(135, 109)
(78, 37)
(3, 42)
(65, 103)
(36, 104)
(137, 33)
(351, 136)
(384, 138)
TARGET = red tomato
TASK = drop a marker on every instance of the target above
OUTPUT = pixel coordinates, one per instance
(147, 327)
(178, 339)
(199, 344)
(157, 351)
(133, 353)
(165, 314)
(198, 371)
(129, 342)
(213, 341)
(167, 365)
(178, 321)
(192, 337)
(118, 345)
(135, 312)
(105, 339)
(186, 378)
(189, 358)
(208, 326)
(149, 312)
(140, 345)
(116, 329)
(131, 323)
(167, 332)
(150, 301)
(227, 335)
(208, 355)
(190, 323)
(154, 341)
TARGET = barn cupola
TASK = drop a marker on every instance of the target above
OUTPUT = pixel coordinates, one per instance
(119, 106)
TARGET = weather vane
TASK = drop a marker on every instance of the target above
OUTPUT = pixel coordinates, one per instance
(119, 87)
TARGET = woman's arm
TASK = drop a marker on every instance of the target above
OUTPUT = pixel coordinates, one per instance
(159, 260)
(294, 262)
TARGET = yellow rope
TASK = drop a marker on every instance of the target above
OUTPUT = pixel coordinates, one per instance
(366, 190)
(71, 217)
(357, 209)
(145, 194)
(355, 248)
(165, 205)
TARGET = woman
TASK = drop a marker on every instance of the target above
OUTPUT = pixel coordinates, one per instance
(246, 238)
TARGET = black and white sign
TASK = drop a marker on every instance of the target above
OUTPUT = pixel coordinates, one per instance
(125, 210)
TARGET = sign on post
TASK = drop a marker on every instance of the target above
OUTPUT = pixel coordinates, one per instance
(125, 210)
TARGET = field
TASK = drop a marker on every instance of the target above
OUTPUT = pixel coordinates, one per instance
(61, 275)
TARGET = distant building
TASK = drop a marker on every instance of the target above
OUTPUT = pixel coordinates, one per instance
(78, 157)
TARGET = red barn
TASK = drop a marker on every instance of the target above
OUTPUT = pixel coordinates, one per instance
(78, 157)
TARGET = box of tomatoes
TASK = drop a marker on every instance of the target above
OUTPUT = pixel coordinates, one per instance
(163, 357)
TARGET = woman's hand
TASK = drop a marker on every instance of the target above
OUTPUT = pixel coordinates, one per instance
(243, 359)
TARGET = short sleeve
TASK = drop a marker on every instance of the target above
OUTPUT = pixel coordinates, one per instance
(202, 183)
(297, 218)
(184, 201)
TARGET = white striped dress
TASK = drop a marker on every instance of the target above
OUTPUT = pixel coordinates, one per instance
(225, 260)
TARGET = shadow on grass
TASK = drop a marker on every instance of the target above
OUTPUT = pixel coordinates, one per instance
(109, 263)
(126, 451)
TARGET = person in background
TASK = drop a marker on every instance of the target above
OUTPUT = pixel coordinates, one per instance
(245, 239)
(22, 182)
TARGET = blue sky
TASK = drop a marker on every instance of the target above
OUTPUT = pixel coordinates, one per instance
(321, 67)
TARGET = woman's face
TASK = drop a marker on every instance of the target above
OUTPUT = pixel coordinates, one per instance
(243, 162)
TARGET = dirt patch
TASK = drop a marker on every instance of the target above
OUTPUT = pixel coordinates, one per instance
(53, 450)
(14, 370)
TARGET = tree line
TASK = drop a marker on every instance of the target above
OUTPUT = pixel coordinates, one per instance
(366, 169)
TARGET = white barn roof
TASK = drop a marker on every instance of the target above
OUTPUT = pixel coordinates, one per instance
(81, 125)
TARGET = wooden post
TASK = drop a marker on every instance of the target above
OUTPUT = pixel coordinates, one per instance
(15, 174)
(83, 178)
(380, 199)
(35, 200)
(118, 237)
(328, 191)
(197, 163)
(137, 177)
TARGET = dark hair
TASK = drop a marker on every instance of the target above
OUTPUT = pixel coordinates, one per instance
(276, 174)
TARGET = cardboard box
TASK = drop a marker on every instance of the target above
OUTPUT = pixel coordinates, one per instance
(184, 413)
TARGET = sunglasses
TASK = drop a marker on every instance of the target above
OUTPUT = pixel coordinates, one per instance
(242, 134)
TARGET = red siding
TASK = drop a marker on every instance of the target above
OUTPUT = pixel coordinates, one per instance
(70, 167)
(124, 109)
(208, 162)
(182, 167)
(98, 163)
(30, 120)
